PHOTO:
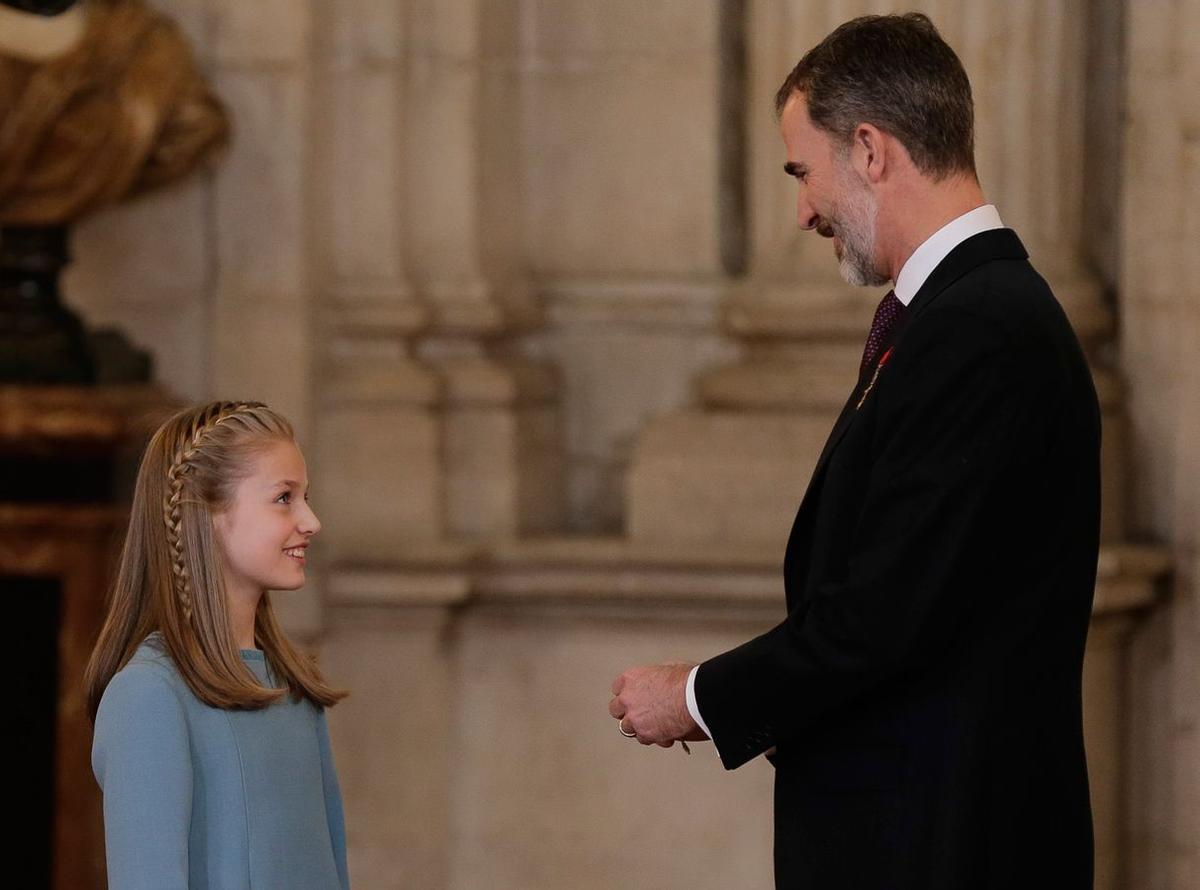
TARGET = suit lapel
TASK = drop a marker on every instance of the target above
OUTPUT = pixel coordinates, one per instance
(974, 251)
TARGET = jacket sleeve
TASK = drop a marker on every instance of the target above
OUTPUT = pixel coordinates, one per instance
(951, 405)
(141, 757)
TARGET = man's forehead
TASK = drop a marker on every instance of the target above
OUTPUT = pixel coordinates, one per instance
(794, 116)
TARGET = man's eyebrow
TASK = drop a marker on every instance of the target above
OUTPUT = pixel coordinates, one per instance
(792, 168)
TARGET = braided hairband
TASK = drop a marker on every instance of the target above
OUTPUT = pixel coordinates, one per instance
(172, 503)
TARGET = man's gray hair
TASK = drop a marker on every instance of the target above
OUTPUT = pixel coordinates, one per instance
(897, 73)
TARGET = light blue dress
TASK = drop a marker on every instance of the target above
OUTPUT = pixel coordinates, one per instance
(208, 799)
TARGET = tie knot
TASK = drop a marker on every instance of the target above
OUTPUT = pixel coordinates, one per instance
(890, 311)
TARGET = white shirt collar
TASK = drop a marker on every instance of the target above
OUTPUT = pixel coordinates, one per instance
(936, 247)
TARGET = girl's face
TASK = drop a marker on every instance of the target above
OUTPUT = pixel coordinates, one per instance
(265, 530)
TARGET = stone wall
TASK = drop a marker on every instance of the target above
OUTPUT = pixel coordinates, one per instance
(473, 248)
(1160, 334)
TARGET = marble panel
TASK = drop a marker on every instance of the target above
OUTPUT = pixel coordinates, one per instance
(619, 28)
(261, 194)
(1186, 447)
(450, 30)
(155, 250)
(392, 743)
(361, 32)
(548, 794)
(265, 31)
(261, 349)
(722, 478)
(301, 612)
(1150, 776)
(621, 169)
(441, 160)
(178, 339)
(1149, 349)
(481, 480)
(627, 352)
(380, 478)
(362, 183)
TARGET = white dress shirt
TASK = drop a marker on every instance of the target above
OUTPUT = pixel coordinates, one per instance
(916, 269)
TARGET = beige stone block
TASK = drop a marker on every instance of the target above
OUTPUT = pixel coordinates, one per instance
(445, 30)
(361, 185)
(301, 612)
(618, 29)
(1114, 460)
(721, 478)
(504, 449)
(261, 195)
(1150, 348)
(380, 482)
(627, 351)
(481, 477)
(442, 157)
(1150, 774)
(818, 377)
(361, 32)
(177, 338)
(623, 160)
(260, 350)
(547, 794)
(1187, 468)
(393, 742)
(155, 250)
(266, 31)
(504, 470)
(1103, 692)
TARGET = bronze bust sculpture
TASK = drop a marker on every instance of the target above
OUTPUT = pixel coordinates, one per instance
(102, 101)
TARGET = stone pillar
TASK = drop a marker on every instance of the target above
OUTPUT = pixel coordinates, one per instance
(501, 447)
(1160, 330)
(380, 481)
(390, 641)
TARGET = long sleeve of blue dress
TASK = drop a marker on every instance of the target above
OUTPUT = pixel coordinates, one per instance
(142, 758)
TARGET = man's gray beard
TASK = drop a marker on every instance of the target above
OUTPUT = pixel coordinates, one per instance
(857, 234)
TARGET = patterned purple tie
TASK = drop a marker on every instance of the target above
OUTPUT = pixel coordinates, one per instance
(890, 311)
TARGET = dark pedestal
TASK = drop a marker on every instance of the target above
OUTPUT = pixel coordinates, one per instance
(67, 456)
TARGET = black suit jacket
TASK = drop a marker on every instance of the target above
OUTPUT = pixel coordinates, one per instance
(923, 692)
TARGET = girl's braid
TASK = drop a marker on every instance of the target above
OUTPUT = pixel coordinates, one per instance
(172, 503)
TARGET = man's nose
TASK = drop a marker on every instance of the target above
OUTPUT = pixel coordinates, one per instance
(806, 217)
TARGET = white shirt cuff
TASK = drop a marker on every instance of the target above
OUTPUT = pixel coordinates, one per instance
(693, 708)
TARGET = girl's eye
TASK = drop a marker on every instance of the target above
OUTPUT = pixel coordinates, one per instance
(285, 498)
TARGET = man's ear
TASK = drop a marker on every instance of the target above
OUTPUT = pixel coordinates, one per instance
(868, 152)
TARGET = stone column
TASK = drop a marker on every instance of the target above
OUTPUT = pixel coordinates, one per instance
(1160, 330)
(380, 480)
(501, 446)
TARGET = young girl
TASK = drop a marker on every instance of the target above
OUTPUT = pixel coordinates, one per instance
(210, 742)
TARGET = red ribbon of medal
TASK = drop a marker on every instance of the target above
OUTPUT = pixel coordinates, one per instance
(883, 360)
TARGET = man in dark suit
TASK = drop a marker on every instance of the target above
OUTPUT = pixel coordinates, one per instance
(921, 702)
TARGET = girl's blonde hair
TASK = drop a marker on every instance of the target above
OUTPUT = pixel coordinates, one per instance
(171, 577)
